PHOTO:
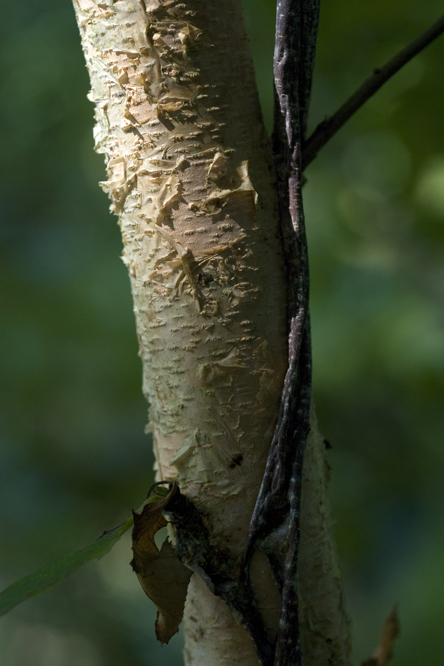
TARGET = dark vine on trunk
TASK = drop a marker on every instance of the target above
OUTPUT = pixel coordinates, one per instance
(278, 502)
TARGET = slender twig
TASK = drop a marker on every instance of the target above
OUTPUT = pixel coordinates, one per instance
(328, 128)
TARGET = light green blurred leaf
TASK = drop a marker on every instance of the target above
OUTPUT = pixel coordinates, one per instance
(53, 573)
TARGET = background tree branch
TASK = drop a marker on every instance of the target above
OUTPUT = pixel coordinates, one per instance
(329, 127)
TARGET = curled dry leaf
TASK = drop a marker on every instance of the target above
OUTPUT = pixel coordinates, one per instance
(162, 575)
(384, 651)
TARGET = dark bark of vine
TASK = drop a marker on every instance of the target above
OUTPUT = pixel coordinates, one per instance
(279, 497)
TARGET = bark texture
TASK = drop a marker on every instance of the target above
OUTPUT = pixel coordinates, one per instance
(189, 174)
(324, 624)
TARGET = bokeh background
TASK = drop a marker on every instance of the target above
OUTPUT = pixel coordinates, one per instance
(74, 458)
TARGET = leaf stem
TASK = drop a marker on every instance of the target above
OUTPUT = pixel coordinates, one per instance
(328, 128)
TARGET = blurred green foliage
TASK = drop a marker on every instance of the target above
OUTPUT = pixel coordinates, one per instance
(73, 456)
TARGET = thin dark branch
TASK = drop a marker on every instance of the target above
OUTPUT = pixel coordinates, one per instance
(328, 128)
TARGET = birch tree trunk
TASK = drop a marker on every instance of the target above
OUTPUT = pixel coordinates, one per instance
(190, 176)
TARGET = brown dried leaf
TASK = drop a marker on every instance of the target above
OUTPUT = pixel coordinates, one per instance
(384, 651)
(161, 574)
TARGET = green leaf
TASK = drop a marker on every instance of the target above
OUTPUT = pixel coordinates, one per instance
(50, 575)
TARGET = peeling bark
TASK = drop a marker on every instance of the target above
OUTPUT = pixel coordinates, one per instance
(189, 174)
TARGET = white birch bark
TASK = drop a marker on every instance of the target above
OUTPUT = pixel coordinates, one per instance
(178, 120)
(324, 624)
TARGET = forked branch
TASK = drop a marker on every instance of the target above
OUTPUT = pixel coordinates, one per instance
(328, 128)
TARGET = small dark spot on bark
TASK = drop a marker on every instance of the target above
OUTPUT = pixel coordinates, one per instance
(204, 278)
(327, 444)
(236, 460)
